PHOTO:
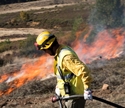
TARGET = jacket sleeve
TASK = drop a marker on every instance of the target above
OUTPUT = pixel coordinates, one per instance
(73, 64)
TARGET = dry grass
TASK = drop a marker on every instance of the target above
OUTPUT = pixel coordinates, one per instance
(38, 93)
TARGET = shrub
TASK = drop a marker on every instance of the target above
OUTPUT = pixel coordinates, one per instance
(106, 13)
(24, 16)
(76, 24)
(6, 45)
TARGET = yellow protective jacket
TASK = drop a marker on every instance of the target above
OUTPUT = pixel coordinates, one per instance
(69, 63)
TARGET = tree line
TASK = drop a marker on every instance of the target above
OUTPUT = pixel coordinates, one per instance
(3, 2)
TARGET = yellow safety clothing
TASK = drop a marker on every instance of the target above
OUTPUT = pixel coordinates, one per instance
(69, 63)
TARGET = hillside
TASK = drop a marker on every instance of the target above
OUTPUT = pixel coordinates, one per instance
(25, 73)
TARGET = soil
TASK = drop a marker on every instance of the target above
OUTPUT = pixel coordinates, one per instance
(8, 33)
(38, 92)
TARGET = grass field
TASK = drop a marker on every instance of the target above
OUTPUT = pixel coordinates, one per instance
(70, 25)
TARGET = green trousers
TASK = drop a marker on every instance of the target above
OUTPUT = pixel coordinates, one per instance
(76, 103)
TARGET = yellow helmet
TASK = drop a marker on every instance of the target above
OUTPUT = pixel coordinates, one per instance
(45, 40)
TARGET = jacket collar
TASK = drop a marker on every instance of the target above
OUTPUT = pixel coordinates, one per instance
(58, 50)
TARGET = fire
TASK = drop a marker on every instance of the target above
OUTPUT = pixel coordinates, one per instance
(39, 69)
(106, 45)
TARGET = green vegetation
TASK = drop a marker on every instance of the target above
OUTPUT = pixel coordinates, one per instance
(107, 14)
(24, 16)
(6, 45)
(13, 1)
(76, 24)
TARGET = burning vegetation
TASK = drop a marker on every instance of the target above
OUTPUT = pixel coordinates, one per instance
(108, 44)
(101, 47)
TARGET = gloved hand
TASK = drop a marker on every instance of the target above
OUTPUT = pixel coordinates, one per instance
(57, 91)
(88, 94)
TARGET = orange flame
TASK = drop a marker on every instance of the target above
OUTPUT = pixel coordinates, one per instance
(107, 44)
(39, 69)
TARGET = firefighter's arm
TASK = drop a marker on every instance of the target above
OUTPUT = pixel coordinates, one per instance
(86, 77)
(76, 66)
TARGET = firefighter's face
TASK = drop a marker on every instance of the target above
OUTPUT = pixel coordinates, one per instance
(52, 49)
(49, 51)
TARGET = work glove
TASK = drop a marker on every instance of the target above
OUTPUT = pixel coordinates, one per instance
(57, 91)
(88, 94)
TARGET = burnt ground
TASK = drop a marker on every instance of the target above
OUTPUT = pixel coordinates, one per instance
(37, 93)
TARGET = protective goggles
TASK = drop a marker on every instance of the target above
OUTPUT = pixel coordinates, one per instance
(37, 46)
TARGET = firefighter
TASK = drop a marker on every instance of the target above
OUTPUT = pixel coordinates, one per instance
(73, 76)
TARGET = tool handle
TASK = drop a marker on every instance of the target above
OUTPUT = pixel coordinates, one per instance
(94, 97)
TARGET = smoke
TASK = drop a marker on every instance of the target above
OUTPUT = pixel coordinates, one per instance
(10, 79)
(107, 14)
